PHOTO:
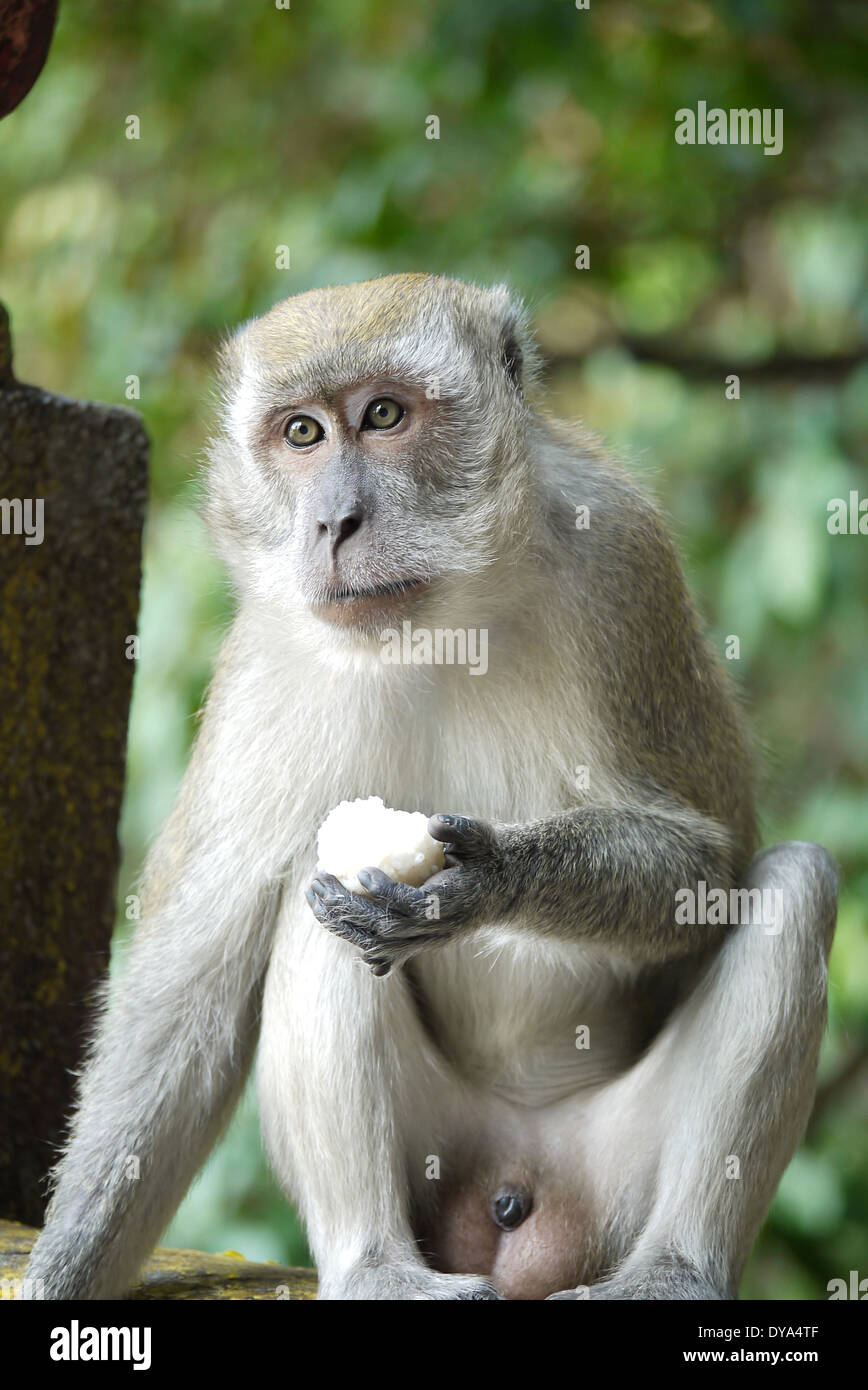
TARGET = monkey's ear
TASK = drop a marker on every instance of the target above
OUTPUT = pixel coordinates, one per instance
(514, 342)
(511, 353)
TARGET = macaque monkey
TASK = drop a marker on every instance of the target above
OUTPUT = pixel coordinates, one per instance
(535, 1076)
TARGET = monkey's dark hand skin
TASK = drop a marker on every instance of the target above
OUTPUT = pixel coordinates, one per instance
(586, 874)
(391, 921)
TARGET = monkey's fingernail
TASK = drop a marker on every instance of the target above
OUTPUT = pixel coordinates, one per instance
(442, 827)
(380, 967)
(317, 887)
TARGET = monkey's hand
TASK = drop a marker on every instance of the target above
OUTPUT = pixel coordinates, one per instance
(391, 921)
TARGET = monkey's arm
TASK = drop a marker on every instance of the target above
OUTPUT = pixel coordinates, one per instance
(172, 1046)
(611, 875)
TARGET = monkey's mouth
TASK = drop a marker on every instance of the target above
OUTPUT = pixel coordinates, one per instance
(396, 589)
(351, 604)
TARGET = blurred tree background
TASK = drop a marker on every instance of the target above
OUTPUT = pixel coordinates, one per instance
(263, 127)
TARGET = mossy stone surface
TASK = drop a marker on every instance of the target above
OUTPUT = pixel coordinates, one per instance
(177, 1274)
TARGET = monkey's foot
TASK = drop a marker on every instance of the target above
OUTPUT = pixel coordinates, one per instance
(672, 1279)
(406, 1283)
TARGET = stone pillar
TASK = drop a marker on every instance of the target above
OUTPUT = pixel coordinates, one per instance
(73, 485)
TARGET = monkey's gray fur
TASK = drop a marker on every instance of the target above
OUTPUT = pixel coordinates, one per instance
(411, 1069)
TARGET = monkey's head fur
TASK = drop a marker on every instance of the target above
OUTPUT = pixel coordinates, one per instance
(372, 460)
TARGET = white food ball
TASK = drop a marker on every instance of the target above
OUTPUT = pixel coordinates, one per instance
(366, 834)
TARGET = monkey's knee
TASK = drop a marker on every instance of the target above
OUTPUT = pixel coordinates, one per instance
(803, 879)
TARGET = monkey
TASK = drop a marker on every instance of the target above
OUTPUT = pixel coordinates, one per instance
(530, 1078)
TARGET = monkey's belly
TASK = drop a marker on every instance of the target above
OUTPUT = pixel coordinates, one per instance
(530, 1023)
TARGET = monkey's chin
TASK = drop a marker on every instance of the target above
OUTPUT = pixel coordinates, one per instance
(369, 610)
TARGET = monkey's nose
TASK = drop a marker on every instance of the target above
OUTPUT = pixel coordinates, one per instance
(340, 528)
(509, 1207)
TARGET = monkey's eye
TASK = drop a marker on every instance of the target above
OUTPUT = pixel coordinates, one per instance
(303, 430)
(383, 414)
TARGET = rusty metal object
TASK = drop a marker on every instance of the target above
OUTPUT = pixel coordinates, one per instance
(26, 29)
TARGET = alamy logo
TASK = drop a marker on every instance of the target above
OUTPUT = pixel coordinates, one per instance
(847, 520)
(738, 126)
(442, 646)
(854, 1288)
(77, 1343)
(23, 517)
(715, 907)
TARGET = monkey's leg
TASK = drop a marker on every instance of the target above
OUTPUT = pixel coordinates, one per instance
(176, 1038)
(352, 1098)
(169, 1060)
(720, 1102)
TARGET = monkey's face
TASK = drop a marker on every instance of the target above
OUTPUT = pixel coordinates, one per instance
(364, 487)
(371, 464)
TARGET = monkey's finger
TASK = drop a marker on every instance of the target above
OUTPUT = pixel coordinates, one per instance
(356, 907)
(330, 889)
(399, 896)
(461, 833)
(444, 881)
(453, 890)
(382, 956)
(373, 913)
(355, 936)
(459, 893)
(323, 914)
(355, 928)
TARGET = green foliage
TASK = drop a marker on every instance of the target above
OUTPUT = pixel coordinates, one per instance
(305, 127)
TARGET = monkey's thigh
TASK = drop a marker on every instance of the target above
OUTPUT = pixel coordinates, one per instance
(352, 1092)
(684, 1151)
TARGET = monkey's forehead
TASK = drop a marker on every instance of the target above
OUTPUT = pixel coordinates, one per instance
(354, 319)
